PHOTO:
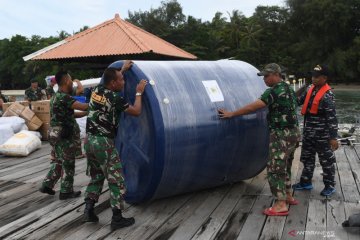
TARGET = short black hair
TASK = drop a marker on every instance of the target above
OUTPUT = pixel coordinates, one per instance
(59, 76)
(109, 75)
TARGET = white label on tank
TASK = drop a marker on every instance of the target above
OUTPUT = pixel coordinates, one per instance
(213, 90)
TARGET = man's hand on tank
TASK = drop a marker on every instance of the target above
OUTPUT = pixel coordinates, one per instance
(222, 113)
(140, 88)
(78, 82)
(127, 65)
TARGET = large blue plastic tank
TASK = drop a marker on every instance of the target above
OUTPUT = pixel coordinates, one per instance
(178, 144)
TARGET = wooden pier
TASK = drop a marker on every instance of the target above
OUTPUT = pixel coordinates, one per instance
(227, 212)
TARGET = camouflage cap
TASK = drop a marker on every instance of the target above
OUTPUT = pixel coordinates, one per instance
(270, 68)
(34, 80)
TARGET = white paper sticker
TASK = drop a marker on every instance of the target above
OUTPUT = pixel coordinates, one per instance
(213, 90)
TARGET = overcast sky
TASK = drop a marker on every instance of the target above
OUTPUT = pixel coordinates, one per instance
(48, 17)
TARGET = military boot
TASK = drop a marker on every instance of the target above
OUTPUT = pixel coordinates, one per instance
(118, 221)
(73, 194)
(47, 190)
(89, 214)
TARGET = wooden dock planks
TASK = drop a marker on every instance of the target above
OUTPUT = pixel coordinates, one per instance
(227, 212)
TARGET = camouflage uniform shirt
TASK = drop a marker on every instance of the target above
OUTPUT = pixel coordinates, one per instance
(34, 95)
(282, 104)
(60, 110)
(49, 91)
(104, 112)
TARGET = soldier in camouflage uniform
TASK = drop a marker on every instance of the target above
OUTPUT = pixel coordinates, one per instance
(3, 99)
(105, 108)
(50, 88)
(77, 140)
(320, 132)
(34, 93)
(62, 138)
(284, 135)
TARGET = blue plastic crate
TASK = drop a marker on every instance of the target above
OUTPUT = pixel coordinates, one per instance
(81, 99)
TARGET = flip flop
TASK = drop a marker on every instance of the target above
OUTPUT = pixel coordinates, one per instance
(270, 212)
(293, 202)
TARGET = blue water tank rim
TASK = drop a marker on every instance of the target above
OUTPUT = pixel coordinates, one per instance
(158, 122)
(149, 95)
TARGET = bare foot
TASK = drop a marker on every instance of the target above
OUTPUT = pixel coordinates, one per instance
(280, 206)
(290, 199)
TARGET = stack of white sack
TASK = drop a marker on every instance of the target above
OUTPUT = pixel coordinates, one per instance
(21, 144)
(82, 125)
(6, 132)
(9, 126)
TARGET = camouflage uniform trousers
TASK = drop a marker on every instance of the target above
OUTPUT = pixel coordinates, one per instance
(78, 151)
(312, 144)
(63, 164)
(283, 143)
(104, 162)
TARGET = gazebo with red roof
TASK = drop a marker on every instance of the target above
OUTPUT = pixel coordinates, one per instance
(110, 41)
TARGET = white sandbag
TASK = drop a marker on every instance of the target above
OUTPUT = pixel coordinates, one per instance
(17, 123)
(6, 132)
(24, 127)
(21, 144)
(36, 134)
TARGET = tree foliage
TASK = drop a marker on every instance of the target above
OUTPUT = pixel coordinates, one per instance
(16, 74)
(298, 36)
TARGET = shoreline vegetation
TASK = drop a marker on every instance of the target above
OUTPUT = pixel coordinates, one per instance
(295, 36)
(345, 87)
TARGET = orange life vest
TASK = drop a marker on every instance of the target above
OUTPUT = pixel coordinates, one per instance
(315, 104)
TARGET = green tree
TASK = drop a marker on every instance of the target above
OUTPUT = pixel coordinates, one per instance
(323, 31)
(234, 28)
(160, 21)
(298, 36)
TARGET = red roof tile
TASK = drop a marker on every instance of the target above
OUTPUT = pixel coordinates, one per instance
(113, 37)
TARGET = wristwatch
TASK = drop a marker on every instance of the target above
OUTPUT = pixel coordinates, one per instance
(138, 94)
